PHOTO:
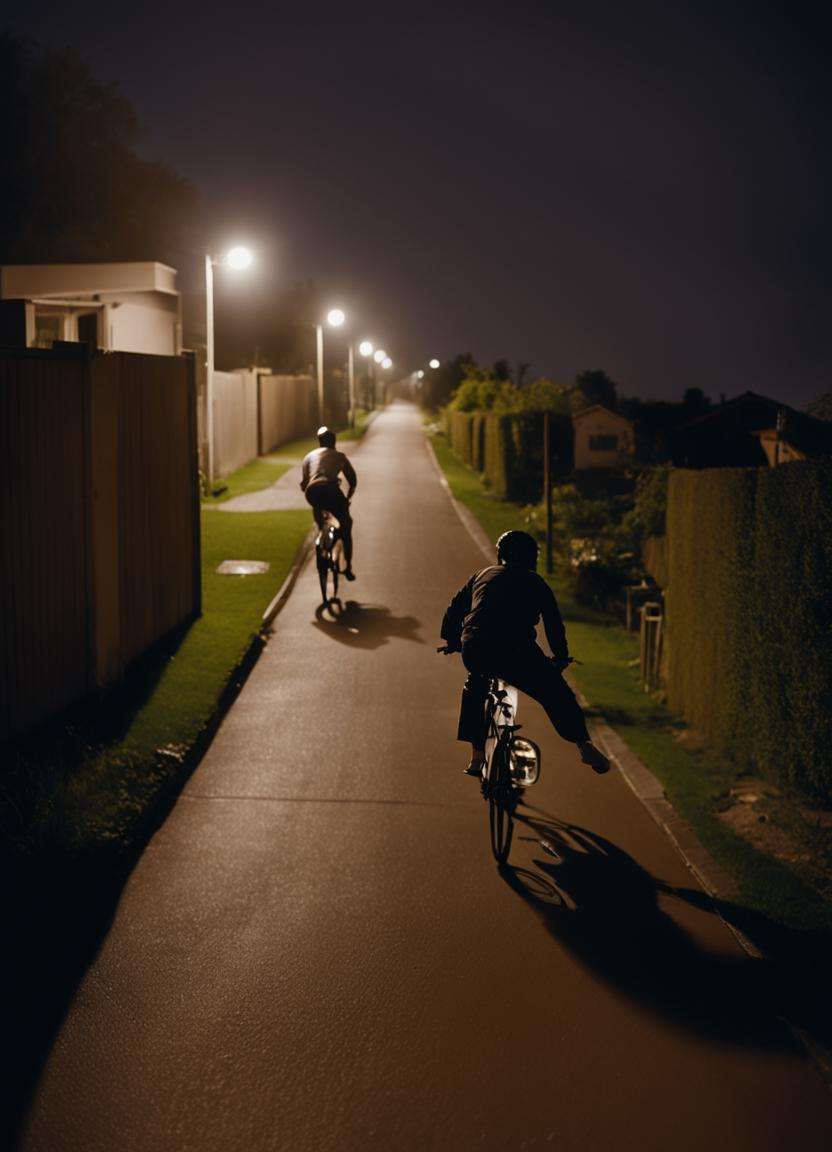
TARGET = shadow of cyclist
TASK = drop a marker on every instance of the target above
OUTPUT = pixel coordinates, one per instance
(597, 901)
(365, 625)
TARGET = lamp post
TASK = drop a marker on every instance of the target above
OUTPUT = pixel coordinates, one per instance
(238, 258)
(335, 317)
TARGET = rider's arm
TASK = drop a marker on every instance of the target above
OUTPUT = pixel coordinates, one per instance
(349, 473)
(304, 480)
(456, 612)
(553, 624)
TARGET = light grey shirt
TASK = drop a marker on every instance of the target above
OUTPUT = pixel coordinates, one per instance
(324, 466)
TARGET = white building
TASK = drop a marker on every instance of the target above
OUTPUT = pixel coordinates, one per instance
(131, 307)
(603, 439)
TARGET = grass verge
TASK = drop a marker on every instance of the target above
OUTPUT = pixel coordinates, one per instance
(267, 470)
(696, 781)
(92, 779)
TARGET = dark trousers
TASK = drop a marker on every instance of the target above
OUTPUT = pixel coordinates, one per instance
(330, 498)
(528, 670)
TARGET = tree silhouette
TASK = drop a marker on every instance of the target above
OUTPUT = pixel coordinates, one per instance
(72, 186)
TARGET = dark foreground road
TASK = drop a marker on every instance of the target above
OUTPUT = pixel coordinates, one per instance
(316, 951)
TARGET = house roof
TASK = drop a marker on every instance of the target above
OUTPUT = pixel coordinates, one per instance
(25, 281)
(595, 408)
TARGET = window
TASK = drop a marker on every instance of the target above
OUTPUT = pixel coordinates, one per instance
(603, 443)
(48, 327)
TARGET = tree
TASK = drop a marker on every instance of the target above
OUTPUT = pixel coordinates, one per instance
(439, 384)
(501, 369)
(695, 403)
(72, 187)
(594, 387)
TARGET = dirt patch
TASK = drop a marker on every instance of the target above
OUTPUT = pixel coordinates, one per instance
(797, 836)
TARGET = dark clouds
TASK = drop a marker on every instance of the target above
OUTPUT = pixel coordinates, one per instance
(639, 187)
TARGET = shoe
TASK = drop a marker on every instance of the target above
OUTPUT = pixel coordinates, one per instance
(350, 575)
(475, 769)
(594, 757)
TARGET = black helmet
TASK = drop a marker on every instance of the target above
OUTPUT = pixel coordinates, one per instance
(326, 437)
(517, 548)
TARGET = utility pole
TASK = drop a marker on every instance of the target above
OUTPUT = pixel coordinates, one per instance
(352, 386)
(547, 488)
(319, 348)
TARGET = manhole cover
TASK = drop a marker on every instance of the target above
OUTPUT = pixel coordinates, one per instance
(243, 567)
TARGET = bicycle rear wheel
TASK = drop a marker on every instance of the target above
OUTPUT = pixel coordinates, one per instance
(322, 563)
(500, 803)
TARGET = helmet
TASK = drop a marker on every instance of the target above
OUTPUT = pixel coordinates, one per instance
(517, 548)
(326, 437)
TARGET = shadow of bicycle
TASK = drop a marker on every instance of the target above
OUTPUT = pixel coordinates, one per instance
(612, 914)
(364, 625)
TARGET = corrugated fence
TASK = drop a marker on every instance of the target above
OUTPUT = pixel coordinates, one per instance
(99, 520)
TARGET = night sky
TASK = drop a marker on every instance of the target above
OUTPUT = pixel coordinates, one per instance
(643, 188)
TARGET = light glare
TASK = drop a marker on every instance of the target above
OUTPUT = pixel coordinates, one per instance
(365, 348)
(387, 362)
(239, 258)
(420, 373)
(379, 355)
(434, 363)
(335, 317)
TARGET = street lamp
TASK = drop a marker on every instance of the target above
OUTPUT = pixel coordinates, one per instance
(387, 362)
(420, 374)
(379, 355)
(335, 317)
(434, 363)
(237, 258)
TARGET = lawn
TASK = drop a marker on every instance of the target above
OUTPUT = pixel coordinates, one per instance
(696, 782)
(92, 781)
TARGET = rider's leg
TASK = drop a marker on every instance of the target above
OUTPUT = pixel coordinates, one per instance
(340, 508)
(317, 510)
(471, 727)
(531, 672)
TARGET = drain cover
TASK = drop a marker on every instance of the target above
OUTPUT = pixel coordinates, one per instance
(243, 567)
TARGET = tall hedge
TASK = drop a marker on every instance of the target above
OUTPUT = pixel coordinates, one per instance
(508, 449)
(749, 620)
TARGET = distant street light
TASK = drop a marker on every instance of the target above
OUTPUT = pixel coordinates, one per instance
(379, 355)
(387, 362)
(434, 363)
(335, 317)
(420, 374)
(365, 348)
(237, 258)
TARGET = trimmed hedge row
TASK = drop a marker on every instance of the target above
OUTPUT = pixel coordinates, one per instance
(507, 448)
(749, 604)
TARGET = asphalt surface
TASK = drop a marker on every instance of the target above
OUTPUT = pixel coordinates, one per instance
(317, 952)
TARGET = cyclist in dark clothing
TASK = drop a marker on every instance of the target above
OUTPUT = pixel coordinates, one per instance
(492, 620)
(321, 486)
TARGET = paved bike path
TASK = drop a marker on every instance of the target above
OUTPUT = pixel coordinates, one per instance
(316, 951)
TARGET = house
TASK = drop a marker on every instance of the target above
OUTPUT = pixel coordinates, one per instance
(750, 431)
(602, 438)
(129, 307)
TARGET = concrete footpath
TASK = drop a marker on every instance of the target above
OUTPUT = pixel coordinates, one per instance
(316, 951)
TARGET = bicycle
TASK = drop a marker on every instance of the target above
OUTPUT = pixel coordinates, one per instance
(329, 549)
(512, 763)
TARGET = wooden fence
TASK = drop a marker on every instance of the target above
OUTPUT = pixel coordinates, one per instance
(99, 521)
(287, 408)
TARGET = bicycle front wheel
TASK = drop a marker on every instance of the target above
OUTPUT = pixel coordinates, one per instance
(500, 804)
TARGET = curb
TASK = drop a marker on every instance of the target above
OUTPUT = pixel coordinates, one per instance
(282, 594)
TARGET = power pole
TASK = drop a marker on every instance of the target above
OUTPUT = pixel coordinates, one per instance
(547, 488)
